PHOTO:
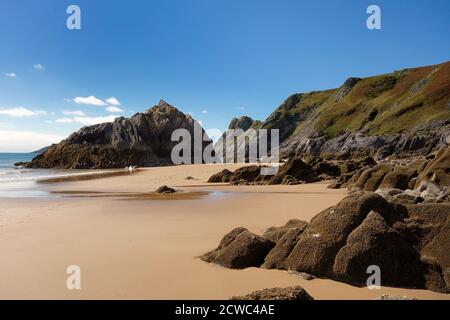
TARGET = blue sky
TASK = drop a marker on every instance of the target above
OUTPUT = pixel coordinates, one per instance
(216, 59)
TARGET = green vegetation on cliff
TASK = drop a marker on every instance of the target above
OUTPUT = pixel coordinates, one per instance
(402, 101)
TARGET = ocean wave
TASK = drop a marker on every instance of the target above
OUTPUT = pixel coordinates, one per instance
(44, 174)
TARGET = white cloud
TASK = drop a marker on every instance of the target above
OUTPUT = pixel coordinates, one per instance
(67, 100)
(64, 120)
(25, 141)
(73, 113)
(241, 108)
(91, 100)
(21, 112)
(204, 111)
(39, 66)
(88, 121)
(10, 75)
(113, 101)
(114, 109)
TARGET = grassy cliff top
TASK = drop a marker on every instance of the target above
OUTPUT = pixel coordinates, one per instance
(402, 101)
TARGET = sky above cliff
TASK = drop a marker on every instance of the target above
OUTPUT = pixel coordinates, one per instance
(214, 59)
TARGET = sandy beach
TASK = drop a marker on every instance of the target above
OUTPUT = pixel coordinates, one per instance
(131, 246)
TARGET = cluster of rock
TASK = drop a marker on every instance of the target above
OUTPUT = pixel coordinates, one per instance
(409, 243)
(422, 180)
(295, 171)
(142, 140)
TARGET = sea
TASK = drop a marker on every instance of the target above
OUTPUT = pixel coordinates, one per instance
(16, 181)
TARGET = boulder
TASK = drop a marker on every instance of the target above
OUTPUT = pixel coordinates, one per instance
(276, 233)
(248, 173)
(437, 252)
(409, 243)
(399, 196)
(222, 176)
(374, 242)
(165, 189)
(327, 168)
(370, 179)
(240, 249)
(290, 180)
(276, 258)
(398, 178)
(297, 169)
(385, 176)
(327, 232)
(291, 293)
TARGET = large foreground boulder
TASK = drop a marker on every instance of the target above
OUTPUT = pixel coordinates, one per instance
(410, 244)
(286, 237)
(328, 231)
(240, 249)
(374, 242)
(296, 293)
(276, 233)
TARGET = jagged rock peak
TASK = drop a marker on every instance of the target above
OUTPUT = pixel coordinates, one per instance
(243, 123)
(162, 106)
(143, 140)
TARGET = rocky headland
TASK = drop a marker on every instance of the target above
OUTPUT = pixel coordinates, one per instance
(143, 140)
(401, 114)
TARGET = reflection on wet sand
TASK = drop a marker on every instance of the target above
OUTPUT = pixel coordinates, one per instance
(89, 176)
(179, 195)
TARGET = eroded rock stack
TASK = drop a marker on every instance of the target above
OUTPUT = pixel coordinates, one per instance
(142, 140)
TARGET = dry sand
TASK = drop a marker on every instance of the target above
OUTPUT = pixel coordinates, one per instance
(145, 248)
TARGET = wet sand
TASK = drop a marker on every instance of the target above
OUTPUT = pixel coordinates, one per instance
(130, 244)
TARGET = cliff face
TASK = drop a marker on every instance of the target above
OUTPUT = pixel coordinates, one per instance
(142, 140)
(243, 123)
(406, 112)
(223, 147)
